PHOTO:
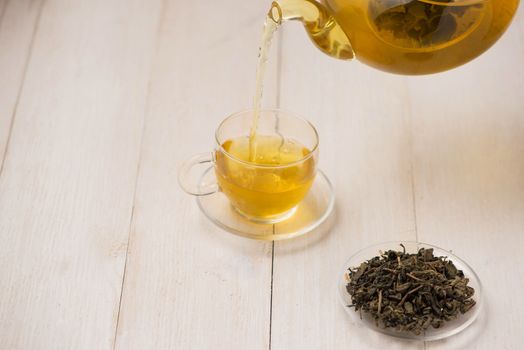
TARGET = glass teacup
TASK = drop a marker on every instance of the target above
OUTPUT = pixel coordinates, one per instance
(264, 177)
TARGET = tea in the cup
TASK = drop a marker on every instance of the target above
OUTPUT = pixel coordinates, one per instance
(270, 185)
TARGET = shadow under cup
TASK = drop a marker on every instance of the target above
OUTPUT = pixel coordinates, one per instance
(265, 183)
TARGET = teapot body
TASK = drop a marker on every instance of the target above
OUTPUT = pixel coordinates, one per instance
(408, 36)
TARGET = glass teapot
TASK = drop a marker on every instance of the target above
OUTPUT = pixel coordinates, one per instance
(401, 36)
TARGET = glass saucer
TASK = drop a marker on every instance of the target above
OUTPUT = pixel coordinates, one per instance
(448, 329)
(309, 213)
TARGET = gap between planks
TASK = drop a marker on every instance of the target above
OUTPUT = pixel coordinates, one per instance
(3, 157)
(137, 172)
(280, 39)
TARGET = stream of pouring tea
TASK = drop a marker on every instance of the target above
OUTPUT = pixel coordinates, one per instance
(270, 27)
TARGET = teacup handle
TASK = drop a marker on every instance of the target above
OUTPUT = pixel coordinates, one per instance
(187, 182)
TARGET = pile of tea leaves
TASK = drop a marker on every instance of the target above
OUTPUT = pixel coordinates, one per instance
(425, 23)
(410, 292)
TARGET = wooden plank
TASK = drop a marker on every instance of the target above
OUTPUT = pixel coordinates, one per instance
(469, 178)
(188, 284)
(18, 20)
(67, 187)
(363, 120)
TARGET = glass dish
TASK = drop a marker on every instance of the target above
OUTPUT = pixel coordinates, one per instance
(448, 329)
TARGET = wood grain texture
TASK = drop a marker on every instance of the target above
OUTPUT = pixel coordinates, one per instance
(469, 181)
(100, 247)
(66, 191)
(18, 21)
(362, 116)
(188, 284)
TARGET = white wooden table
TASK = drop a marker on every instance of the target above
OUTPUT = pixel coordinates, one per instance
(101, 101)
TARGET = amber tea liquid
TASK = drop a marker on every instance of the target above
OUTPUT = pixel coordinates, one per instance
(273, 183)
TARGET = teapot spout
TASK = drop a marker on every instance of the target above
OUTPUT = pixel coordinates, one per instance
(321, 26)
